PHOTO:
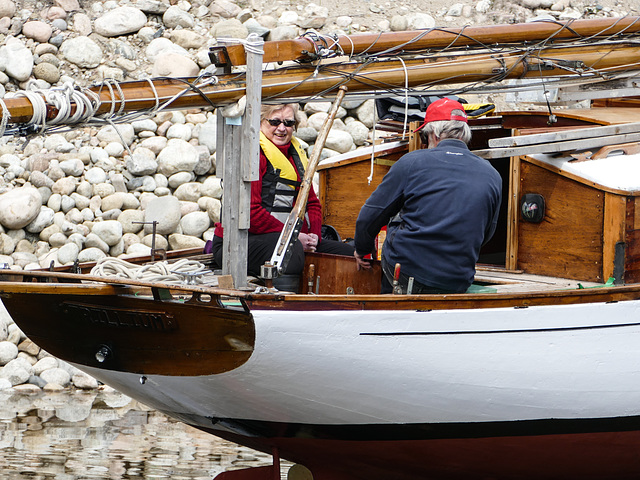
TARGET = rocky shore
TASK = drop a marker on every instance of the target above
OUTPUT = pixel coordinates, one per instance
(84, 195)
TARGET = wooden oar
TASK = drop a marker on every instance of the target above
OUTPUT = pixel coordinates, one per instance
(292, 226)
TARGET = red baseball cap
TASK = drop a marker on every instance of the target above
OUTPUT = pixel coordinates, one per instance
(442, 109)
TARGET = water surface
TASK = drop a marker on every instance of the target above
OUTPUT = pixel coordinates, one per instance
(106, 435)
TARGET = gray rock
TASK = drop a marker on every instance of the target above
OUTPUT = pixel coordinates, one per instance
(120, 21)
(81, 51)
(177, 17)
(154, 7)
(47, 72)
(42, 220)
(174, 65)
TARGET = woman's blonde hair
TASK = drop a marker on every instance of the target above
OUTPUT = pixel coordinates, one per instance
(267, 111)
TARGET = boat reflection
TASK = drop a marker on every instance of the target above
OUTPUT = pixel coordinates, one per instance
(106, 435)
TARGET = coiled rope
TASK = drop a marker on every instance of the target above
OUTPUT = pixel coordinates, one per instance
(162, 272)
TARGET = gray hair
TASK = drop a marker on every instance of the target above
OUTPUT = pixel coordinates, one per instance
(266, 111)
(442, 129)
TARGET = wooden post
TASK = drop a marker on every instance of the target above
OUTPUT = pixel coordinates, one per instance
(241, 147)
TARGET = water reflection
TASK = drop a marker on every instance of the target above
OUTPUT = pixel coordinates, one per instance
(106, 435)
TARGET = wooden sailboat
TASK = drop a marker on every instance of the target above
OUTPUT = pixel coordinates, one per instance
(533, 374)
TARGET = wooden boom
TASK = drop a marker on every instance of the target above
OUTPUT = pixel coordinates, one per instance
(392, 43)
(302, 81)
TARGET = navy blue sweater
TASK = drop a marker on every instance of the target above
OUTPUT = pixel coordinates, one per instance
(447, 201)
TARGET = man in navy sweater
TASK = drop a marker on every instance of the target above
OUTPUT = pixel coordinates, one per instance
(440, 206)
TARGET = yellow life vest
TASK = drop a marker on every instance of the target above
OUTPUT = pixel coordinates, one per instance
(279, 161)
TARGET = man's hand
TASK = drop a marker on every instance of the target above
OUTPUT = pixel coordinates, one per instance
(361, 263)
(309, 241)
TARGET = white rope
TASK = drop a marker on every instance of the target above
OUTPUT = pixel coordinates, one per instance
(163, 271)
(406, 97)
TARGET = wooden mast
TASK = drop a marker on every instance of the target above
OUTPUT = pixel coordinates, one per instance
(306, 80)
(303, 48)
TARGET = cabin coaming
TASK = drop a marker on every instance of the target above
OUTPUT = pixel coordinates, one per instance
(589, 232)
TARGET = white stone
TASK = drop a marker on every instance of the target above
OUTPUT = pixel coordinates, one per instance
(231, 28)
(81, 51)
(224, 8)
(68, 253)
(56, 376)
(109, 231)
(339, 140)
(8, 351)
(124, 132)
(7, 244)
(367, 114)
(179, 241)
(177, 156)
(138, 250)
(212, 187)
(358, 131)
(286, 32)
(207, 134)
(155, 144)
(182, 131)
(45, 363)
(174, 65)
(91, 254)
(72, 166)
(17, 59)
(83, 381)
(19, 207)
(195, 223)
(120, 21)
(95, 175)
(114, 149)
(131, 221)
(419, 20)
(15, 372)
(143, 162)
(146, 125)
(165, 211)
(160, 46)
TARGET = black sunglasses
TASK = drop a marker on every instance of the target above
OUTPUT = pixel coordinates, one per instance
(274, 122)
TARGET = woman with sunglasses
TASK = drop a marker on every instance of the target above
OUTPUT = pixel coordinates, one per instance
(282, 166)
